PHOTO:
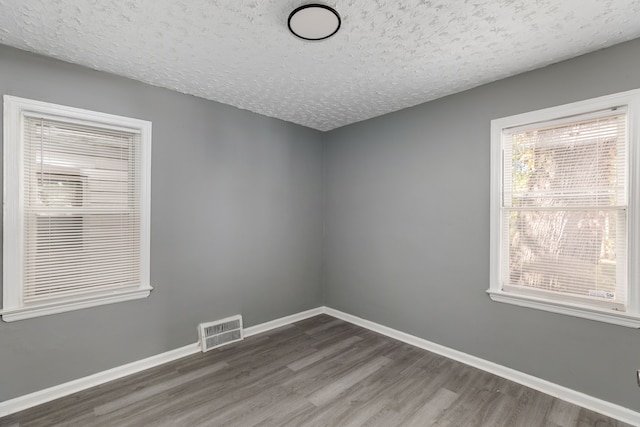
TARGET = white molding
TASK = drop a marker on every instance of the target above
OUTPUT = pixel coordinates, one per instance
(629, 100)
(56, 392)
(283, 321)
(598, 405)
(572, 396)
(35, 108)
(12, 213)
(13, 314)
(633, 218)
(571, 109)
(43, 396)
(15, 110)
(614, 317)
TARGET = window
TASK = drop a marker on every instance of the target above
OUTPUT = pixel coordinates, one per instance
(564, 209)
(76, 223)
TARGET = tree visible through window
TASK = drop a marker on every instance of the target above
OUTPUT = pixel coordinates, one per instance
(564, 207)
(565, 183)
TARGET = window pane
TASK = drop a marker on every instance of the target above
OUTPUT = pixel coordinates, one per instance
(564, 208)
(59, 190)
(82, 215)
(578, 164)
(572, 252)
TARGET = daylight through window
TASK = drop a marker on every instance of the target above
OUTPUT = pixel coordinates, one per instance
(562, 209)
(77, 193)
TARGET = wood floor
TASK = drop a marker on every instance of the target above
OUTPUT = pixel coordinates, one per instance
(317, 372)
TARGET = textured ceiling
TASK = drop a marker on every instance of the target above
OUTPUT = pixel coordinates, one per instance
(388, 55)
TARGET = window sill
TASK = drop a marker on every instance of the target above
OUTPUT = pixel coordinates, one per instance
(576, 310)
(13, 314)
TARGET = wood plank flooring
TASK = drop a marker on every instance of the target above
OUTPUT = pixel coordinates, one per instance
(317, 372)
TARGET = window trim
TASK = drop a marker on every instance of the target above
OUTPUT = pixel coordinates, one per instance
(630, 318)
(15, 109)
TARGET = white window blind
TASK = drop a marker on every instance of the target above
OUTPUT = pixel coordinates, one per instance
(81, 209)
(564, 209)
(76, 223)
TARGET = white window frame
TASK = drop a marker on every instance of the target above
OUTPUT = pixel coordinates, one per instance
(15, 109)
(629, 318)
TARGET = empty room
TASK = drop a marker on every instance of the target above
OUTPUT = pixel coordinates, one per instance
(346, 213)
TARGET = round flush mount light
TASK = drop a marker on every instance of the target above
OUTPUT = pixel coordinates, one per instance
(314, 22)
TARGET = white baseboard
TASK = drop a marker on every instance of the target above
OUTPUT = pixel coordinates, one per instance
(43, 396)
(598, 405)
(572, 396)
(283, 321)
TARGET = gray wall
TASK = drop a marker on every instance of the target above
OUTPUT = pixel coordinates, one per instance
(237, 213)
(408, 230)
(236, 226)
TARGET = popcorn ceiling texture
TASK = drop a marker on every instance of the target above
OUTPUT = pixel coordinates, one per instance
(388, 55)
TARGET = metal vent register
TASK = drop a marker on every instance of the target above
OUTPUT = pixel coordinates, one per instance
(220, 332)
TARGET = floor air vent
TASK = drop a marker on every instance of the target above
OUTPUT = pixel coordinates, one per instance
(220, 332)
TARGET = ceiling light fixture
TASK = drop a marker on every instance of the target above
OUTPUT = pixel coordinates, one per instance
(314, 22)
